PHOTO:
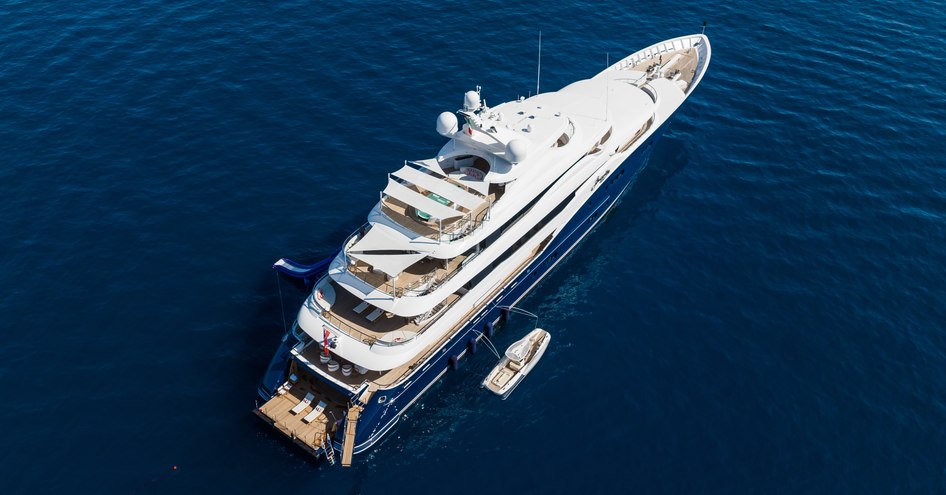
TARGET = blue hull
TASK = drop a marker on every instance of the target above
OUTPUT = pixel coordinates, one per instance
(387, 405)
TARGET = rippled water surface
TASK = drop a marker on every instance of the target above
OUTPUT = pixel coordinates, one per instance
(762, 313)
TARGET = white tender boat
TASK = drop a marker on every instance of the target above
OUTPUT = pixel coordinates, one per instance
(520, 358)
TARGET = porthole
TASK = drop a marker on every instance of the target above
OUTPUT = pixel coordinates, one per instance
(382, 399)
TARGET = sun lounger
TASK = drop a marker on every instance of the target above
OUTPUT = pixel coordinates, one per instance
(303, 404)
(361, 307)
(315, 412)
(372, 316)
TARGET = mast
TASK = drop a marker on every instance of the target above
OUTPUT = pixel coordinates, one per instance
(538, 74)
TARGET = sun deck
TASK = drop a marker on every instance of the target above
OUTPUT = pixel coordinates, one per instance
(417, 220)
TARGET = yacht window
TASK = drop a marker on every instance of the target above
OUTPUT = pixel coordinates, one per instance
(566, 136)
(650, 92)
(636, 136)
(606, 136)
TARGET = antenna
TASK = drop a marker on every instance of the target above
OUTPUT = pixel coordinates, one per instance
(538, 74)
(703, 31)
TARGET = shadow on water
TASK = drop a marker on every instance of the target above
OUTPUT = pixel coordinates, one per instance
(668, 158)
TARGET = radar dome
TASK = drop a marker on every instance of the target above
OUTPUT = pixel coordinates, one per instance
(471, 101)
(447, 124)
(516, 150)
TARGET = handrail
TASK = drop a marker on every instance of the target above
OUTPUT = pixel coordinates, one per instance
(336, 322)
(348, 240)
(351, 331)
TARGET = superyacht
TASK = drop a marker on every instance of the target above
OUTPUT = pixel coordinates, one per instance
(457, 239)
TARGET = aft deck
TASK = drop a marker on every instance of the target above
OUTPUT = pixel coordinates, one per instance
(278, 411)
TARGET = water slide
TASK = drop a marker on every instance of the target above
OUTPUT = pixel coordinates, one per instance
(298, 270)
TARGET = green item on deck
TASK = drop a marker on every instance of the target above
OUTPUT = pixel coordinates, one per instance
(440, 199)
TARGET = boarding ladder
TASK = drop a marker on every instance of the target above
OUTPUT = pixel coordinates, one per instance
(328, 449)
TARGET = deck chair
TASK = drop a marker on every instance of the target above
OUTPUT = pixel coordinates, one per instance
(304, 403)
(361, 307)
(288, 385)
(284, 388)
(315, 412)
(372, 316)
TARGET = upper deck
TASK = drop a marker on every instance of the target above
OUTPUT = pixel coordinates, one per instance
(439, 203)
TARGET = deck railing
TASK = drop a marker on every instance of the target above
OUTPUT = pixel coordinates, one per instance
(346, 328)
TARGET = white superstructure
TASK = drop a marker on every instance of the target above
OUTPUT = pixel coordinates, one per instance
(437, 224)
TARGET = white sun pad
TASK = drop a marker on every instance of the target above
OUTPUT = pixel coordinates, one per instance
(417, 200)
(382, 239)
(392, 264)
(441, 187)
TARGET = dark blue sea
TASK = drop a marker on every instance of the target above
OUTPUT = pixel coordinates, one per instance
(762, 313)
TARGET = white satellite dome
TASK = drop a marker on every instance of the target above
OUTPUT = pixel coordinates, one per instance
(447, 124)
(517, 150)
(471, 101)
